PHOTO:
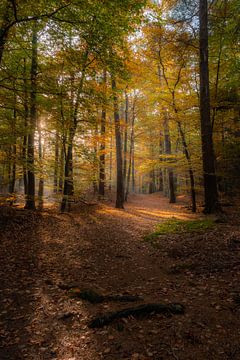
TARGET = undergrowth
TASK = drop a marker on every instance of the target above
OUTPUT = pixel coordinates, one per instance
(175, 226)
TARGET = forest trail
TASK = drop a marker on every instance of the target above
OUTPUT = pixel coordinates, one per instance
(102, 248)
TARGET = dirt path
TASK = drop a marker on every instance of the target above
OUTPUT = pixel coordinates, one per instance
(102, 248)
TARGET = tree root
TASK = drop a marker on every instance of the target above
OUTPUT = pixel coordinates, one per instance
(170, 309)
(95, 298)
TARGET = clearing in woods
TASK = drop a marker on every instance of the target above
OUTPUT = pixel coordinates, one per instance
(101, 248)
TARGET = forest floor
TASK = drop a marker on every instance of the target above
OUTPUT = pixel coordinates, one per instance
(103, 249)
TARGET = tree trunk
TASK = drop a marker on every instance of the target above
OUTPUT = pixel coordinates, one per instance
(41, 179)
(190, 169)
(152, 172)
(168, 151)
(120, 188)
(133, 147)
(101, 187)
(102, 160)
(133, 165)
(61, 170)
(68, 177)
(30, 199)
(13, 150)
(110, 158)
(209, 175)
(130, 165)
(160, 172)
(152, 182)
(26, 119)
(125, 140)
(56, 164)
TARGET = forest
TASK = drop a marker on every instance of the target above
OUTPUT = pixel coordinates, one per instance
(119, 179)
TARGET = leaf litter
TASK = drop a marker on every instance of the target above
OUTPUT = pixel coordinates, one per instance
(103, 249)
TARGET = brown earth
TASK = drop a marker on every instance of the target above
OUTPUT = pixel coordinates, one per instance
(102, 248)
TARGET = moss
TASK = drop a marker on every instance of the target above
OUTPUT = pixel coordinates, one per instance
(175, 226)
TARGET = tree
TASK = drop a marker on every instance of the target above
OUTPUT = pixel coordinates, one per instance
(102, 177)
(208, 158)
(118, 139)
(30, 196)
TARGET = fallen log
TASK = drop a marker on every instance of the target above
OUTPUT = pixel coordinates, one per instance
(141, 310)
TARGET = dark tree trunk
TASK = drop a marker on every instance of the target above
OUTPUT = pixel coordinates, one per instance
(68, 188)
(41, 179)
(168, 151)
(101, 185)
(120, 188)
(133, 166)
(160, 172)
(210, 181)
(13, 150)
(128, 176)
(56, 165)
(152, 172)
(13, 169)
(133, 146)
(61, 170)
(95, 181)
(26, 119)
(160, 180)
(125, 140)
(190, 169)
(152, 182)
(110, 158)
(68, 178)
(30, 199)
(130, 165)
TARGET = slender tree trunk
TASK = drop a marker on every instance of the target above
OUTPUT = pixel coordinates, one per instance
(61, 169)
(125, 140)
(30, 199)
(13, 169)
(102, 160)
(41, 179)
(133, 146)
(152, 172)
(128, 176)
(190, 169)
(168, 151)
(68, 177)
(209, 175)
(13, 150)
(152, 182)
(110, 158)
(96, 162)
(160, 173)
(56, 164)
(131, 159)
(26, 119)
(120, 188)
(133, 166)
(101, 187)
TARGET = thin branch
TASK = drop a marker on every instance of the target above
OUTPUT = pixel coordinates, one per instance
(31, 18)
